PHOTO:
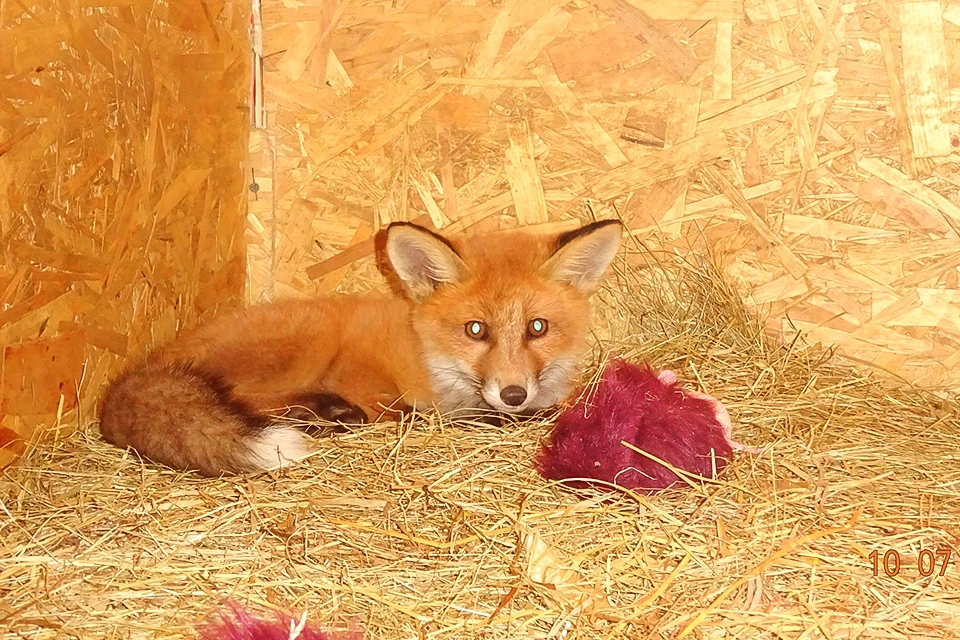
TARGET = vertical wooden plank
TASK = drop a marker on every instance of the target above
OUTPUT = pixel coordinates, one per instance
(777, 33)
(898, 104)
(925, 77)
(521, 172)
(723, 61)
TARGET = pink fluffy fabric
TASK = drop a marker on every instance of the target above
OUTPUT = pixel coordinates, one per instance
(242, 625)
(653, 412)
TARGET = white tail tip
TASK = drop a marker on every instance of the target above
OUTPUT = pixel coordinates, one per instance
(278, 447)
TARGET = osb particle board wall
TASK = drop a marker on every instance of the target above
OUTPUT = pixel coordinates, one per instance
(809, 144)
(123, 129)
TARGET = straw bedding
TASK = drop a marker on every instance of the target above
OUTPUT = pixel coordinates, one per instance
(427, 529)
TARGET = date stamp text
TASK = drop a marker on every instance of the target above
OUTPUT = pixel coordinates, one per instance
(929, 561)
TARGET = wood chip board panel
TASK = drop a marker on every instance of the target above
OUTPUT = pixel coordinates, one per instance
(123, 133)
(811, 146)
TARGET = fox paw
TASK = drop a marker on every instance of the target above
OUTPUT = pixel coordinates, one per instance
(330, 407)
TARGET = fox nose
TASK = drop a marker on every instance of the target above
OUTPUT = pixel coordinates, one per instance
(513, 395)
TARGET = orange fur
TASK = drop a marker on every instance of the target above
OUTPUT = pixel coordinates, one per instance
(207, 401)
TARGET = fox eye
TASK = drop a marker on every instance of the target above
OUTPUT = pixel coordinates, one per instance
(476, 330)
(537, 327)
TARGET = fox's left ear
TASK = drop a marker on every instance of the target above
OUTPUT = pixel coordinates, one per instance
(583, 255)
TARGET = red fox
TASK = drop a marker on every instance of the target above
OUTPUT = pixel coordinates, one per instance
(495, 322)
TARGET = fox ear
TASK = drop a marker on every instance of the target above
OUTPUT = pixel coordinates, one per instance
(583, 255)
(420, 260)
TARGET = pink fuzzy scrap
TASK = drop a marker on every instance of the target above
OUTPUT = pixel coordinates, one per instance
(242, 625)
(688, 430)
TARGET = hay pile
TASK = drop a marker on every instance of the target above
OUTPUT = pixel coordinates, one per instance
(427, 529)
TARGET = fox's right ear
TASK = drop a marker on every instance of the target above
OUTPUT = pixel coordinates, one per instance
(416, 260)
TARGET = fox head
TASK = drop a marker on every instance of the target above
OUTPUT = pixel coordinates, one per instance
(503, 318)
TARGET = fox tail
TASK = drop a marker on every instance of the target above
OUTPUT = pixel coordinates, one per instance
(188, 419)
